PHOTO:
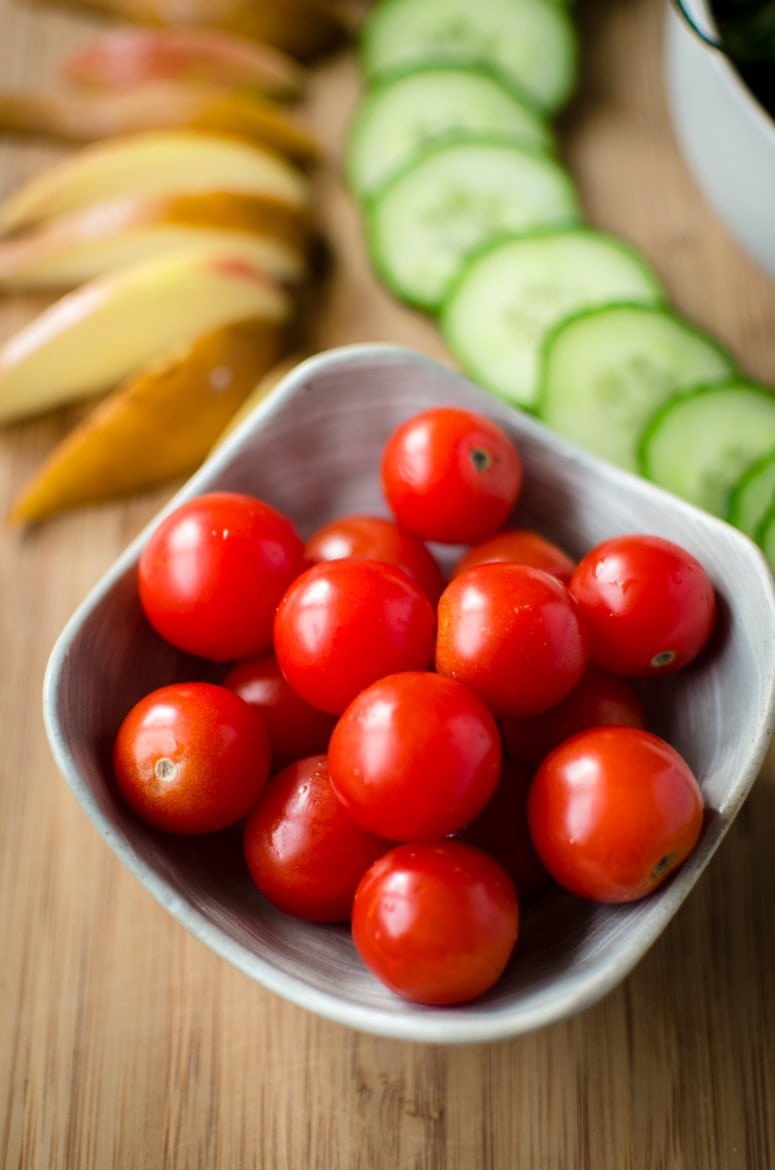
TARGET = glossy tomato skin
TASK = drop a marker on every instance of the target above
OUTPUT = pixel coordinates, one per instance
(513, 635)
(378, 539)
(191, 758)
(295, 729)
(436, 922)
(343, 624)
(648, 604)
(415, 756)
(304, 852)
(450, 475)
(613, 811)
(212, 573)
(502, 831)
(520, 546)
(599, 699)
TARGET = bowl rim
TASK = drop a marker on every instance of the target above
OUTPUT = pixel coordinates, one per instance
(458, 1025)
(718, 61)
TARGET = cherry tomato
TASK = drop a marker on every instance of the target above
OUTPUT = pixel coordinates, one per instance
(378, 539)
(522, 547)
(613, 811)
(501, 830)
(648, 604)
(450, 475)
(191, 758)
(598, 699)
(304, 851)
(513, 635)
(436, 922)
(295, 729)
(213, 571)
(415, 756)
(343, 624)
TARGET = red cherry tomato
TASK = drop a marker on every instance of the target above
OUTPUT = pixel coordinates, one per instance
(599, 699)
(304, 852)
(613, 811)
(451, 475)
(295, 729)
(513, 635)
(191, 758)
(212, 573)
(648, 604)
(519, 546)
(436, 923)
(501, 830)
(415, 756)
(343, 624)
(377, 539)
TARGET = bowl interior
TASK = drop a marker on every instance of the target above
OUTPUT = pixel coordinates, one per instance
(312, 450)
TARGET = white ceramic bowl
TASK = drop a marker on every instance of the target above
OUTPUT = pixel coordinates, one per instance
(312, 450)
(727, 138)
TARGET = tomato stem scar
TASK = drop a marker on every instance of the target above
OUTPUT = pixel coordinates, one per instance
(662, 866)
(663, 658)
(480, 458)
(165, 769)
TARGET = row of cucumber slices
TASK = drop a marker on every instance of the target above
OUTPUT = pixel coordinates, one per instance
(470, 215)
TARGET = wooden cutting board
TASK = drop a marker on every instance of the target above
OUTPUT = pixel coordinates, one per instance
(125, 1044)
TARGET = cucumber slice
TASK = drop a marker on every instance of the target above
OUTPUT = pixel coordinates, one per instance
(532, 42)
(765, 534)
(510, 293)
(753, 494)
(423, 223)
(605, 371)
(400, 115)
(698, 443)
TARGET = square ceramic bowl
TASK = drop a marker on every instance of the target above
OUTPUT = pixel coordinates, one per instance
(312, 450)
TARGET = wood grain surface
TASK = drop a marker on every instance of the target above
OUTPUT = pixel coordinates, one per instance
(125, 1043)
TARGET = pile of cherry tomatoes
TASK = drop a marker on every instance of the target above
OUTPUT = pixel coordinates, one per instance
(415, 756)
